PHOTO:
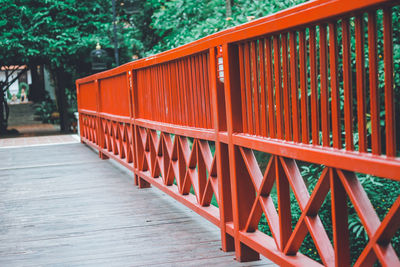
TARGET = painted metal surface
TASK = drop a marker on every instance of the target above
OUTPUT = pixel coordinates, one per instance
(189, 121)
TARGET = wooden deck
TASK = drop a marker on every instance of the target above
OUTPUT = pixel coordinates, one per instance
(62, 206)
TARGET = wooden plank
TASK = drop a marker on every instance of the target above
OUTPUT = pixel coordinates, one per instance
(79, 211)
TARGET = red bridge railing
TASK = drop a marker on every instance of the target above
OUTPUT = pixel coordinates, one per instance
(298, 85)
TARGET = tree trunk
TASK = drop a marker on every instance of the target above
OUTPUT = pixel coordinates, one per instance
(37, 91)
(3, 120)
(60, 78)
(228, 6)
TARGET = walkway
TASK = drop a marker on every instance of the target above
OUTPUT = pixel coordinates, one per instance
(62, 206)
(23, 119)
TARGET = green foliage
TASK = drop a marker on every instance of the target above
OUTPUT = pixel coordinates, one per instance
(60, 34)
(182, 21)
(45, 110)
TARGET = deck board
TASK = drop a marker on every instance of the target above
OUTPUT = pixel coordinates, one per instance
(62, 206)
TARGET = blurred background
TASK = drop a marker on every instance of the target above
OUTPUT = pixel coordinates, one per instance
(46, 45)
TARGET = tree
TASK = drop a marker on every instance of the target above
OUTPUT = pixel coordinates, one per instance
(59, 34)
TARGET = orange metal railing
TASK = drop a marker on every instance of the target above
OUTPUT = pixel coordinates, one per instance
(298, 85)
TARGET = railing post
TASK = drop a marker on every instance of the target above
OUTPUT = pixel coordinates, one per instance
(142, 183)
(219, 123)
(240, 197)
(78, 101)
(99, 131)
(129, 78)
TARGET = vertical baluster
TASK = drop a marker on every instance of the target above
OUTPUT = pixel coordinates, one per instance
(270, 89)
(175, 82)
(160, 88)
(207, 90)
(178, 91)
(195, 90)
(144, 107)
(243, 88)
(360, 76)
(303, 87)
(294, 86)
(148, 94)
(140, 92)
(155, 86)
(333, 55)
(200, 82)
(190, 91)
(175, 85)
(182, 79)
(184, 91)
(278, 86)
(207, 118)
(256, 102)
(389, 97)
(249, 95)
(154, 97)
(264, 125)
(144, 92)
(286, 94)
(207, 114)
(202, 90)
(163, 92)
(189, 102)
(167, 77)
(347, 87)
(314, 89)
(373, 83)
(160, 94)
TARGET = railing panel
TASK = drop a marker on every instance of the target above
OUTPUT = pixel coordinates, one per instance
(311, 86)
(170, 90)
(87, 96)
(114, 95)
(327, 107)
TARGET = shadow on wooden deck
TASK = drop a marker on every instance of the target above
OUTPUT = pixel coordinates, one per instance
(62, 206)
